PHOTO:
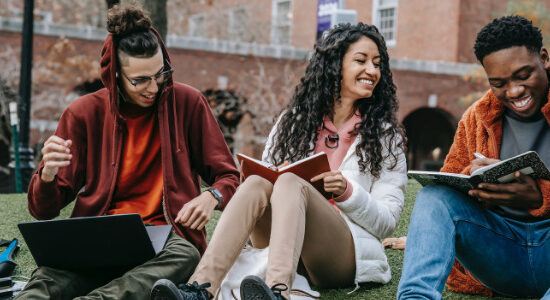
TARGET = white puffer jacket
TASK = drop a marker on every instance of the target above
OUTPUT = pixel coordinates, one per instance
(372, 211)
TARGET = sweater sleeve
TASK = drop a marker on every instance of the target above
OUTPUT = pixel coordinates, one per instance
(46, 199)
(458, 159)
(378, 208)
(544, 210)
(211, 156)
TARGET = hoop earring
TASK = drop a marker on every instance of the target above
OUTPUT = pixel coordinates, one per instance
(332, 139)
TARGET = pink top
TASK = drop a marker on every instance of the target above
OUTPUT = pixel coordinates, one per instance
(336, 155)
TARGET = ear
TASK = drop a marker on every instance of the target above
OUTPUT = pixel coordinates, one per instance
(545, 58)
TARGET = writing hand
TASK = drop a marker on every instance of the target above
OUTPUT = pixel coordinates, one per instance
(196, 213)
(55, 154)
(523, 193)
(482, 162)
(334, 182)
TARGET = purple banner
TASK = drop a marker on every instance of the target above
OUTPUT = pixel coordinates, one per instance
(324, 9)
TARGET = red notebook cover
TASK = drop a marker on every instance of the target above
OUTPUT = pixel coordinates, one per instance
(306, 168)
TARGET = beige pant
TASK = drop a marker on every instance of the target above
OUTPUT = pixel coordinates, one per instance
(295, 221)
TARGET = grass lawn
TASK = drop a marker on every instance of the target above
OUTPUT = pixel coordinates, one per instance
(13, 209)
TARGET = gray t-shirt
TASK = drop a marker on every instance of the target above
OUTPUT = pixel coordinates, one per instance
(519, 136)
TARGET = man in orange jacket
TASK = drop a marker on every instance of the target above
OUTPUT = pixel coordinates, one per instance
(498, 232)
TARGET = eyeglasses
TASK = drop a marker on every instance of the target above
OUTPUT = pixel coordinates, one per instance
(144, 82)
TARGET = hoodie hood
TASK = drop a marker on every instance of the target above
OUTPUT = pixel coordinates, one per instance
(109, 78)
(109, 71)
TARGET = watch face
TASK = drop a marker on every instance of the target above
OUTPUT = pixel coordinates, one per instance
(216, 193)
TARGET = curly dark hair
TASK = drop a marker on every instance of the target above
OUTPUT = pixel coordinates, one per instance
(506, 32)
(315, 96)
(131, 30)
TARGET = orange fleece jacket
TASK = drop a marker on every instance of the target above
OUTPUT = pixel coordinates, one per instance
(480, 130)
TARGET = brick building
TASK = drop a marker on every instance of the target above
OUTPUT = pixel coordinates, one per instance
(258, 50)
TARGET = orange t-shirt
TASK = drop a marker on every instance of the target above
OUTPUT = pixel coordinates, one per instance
(139, 186)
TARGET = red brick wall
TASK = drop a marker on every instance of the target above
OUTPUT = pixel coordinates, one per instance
(304, 24)
(427, 30)
(414, 89)
(200, 69)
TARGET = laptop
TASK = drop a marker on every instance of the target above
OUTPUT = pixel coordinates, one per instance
(115, 241)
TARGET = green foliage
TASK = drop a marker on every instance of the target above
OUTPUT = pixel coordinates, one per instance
(534, 10)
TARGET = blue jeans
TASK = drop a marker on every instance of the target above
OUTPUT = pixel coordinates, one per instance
(511, 258)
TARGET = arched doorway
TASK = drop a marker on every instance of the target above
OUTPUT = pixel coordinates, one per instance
(430, 133)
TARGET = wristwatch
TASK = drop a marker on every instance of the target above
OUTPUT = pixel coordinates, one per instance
(217, 195)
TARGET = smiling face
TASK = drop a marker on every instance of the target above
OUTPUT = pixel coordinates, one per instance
(360, 69)
(136, 68)
(518, 78)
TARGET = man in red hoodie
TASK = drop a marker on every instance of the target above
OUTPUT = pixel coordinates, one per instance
(140, 145)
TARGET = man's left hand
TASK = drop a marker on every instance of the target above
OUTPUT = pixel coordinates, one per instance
(523, 193)
(197, 212)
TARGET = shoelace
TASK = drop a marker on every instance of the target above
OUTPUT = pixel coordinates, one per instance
(277, 290)
(194, 287)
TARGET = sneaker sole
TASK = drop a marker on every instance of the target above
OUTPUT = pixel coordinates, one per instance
(164, 290)
(254, 288)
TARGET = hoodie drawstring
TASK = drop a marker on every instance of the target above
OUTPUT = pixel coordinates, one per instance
(175, 121)
(113, 158)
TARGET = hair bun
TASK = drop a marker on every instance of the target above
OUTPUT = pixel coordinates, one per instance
(132, 18)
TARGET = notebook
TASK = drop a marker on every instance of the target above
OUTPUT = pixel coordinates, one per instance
(528, 163)
(101, 242)
(306, 168)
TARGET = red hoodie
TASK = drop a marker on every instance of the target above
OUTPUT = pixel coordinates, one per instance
(192, 146)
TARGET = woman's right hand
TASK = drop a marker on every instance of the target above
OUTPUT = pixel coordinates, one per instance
(55, 154)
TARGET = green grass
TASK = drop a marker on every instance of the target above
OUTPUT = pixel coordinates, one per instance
(13, 209)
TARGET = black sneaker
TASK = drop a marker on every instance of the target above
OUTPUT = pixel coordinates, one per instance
(165, 289)
(254, 288)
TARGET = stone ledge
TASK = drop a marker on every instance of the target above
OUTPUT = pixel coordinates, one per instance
(235, 48)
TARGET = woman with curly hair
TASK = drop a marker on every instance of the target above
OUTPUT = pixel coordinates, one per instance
(345, 106)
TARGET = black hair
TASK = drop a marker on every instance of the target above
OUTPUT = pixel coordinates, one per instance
(131, 30)
(506, 32)
(319, 88)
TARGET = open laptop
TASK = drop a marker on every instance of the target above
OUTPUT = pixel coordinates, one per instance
(114, 241)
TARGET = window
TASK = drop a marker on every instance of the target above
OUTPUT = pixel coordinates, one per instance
(197, 26)
(281, 21)
(237, 25)
(385, 18)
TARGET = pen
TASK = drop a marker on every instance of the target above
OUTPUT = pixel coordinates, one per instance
(479, 155)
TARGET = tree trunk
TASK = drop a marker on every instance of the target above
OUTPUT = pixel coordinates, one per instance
(157, 8)
(111, 3)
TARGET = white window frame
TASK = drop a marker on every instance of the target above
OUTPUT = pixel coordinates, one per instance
(194, 23)
(378, 6)
(233, 33)
(275, 25)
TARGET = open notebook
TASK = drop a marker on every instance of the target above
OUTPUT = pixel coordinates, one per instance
(528, 163)
(306, 168)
